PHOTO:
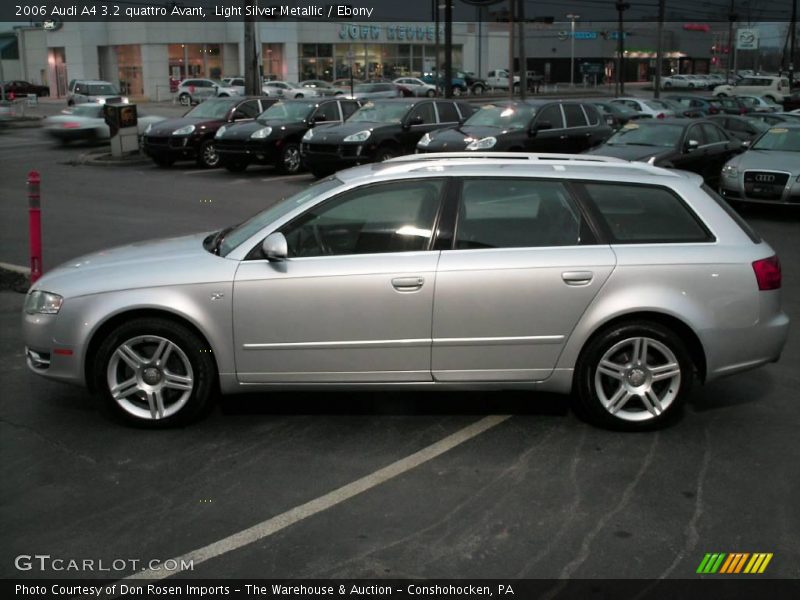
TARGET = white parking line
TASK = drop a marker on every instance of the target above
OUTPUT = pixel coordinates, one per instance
(329, 500)
(285, 177)
(201, 171)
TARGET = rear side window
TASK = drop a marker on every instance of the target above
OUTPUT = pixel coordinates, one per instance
(637, 214)
(348, 107)
(744, 225)
(575, 116)
(447, 112)
(592, 114)
(516, 213)
(248, 110)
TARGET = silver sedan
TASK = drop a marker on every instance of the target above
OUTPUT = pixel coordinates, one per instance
(618, 282)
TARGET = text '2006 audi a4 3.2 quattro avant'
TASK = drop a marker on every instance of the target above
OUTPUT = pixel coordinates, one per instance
(618, 282)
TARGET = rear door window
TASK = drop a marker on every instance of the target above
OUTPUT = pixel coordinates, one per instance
(447, 112)
(574, 115)
(638, 214)
(348, 107)
(327, 112)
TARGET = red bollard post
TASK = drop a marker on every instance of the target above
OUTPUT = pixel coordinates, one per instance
(35, 225)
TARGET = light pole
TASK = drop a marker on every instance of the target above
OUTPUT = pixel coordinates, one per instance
(572, 18)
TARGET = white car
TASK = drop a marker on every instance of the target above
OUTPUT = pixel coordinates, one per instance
(680, 82)
(286, 89)
(416, 86)
(87, 122)
(700, 81)
(760, 104)
(770, 87)
(80, 91)
(650, 107)
(193, 91)
(236, 83)
(499, 79)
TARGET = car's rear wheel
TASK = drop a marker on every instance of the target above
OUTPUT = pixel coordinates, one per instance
(478, 89)
(386, 153)
(633, 376)
(289, 161)
(430, 93)
(185, 99)
(457, 91)
(207, 156)
(153, 372)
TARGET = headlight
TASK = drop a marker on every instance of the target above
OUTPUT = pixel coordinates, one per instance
(220, 131)
(426, 139)
(261, 133)
(125, 100)
(43, 303)
(730, 171)
(482, 144)
(184, 130)
(361, 136)
(308, 135)
(101, 100)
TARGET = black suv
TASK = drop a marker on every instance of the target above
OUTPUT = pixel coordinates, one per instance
(531, 126)
(378, 131)
(191, 137)
(274, 137)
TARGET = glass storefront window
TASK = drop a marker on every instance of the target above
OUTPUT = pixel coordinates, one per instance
(129, 66)
(387, 61)
(195, 60)
(272, 56)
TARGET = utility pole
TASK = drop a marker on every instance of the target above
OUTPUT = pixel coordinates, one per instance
(572, 18)
(511, 11)
(448, 48)
(437, 80)
(621, 8)
(662, 7)
(793, 27)
(523, 59)
(731, 19)
(252, 79)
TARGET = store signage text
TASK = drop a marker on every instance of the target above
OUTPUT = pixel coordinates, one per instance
(418, 33)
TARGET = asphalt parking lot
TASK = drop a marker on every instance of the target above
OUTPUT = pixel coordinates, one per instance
(538, 494)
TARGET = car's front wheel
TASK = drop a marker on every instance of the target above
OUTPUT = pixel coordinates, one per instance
(207, 155)
(185, 99)
(289, 161)
(153, 372)
(633, 376)
(478, 89)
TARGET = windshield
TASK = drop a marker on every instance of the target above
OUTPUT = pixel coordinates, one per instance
(102, 89)
(287, 111)
(211, 109)
(647, 135)
(245, 230)
(781, 139)
(390, 112)
(507, 117)
(95, 111)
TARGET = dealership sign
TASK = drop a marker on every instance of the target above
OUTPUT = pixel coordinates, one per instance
(747, 39)
(419, 33)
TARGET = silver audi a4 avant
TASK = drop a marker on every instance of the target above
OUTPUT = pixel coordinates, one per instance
(617, 282)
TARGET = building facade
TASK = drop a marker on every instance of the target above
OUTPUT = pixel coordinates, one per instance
(144, 58)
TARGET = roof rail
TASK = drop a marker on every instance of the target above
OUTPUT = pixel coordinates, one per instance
(507, 155)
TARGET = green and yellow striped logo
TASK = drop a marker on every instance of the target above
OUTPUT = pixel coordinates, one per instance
(734, 563)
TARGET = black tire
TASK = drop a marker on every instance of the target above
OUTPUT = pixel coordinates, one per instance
(667, 85)
(516, 88)
(457, 91)
(188, 363)
(185, 99)
(207, 155)
(289, 161)
(385, 153)
(596, 391)
(298, 96)
(430, 93)
(236, 166)
(478, 89)
(163, 162)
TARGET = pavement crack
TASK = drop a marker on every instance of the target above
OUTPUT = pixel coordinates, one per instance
(56, 444)
(570, 568)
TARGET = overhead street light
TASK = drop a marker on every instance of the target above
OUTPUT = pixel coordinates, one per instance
(572, 18)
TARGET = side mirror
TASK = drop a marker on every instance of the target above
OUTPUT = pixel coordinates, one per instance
(540, 126)
(275, 247)
(692, 145)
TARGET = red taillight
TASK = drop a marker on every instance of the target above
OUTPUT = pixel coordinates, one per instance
(71, 125)
(742, 111)
(660, 116)
(713, 110)
(768, 273)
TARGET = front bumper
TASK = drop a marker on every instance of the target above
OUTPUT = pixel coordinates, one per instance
(45, 355)
(736, 189)
(251, 151)
(336, 156)
(172, 146)
(71, 135)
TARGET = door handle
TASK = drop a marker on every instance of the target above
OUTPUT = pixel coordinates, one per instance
(577, 277)
(407, 284)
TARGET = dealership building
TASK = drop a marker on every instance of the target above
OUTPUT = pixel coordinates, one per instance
(142, 57)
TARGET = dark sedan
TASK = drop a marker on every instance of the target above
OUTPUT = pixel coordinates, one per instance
(274, 137)
(742, 128)
(23, 88)
(699, 105)
(191, 137)
(532, 126)
(378, 131)
(697, 145)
